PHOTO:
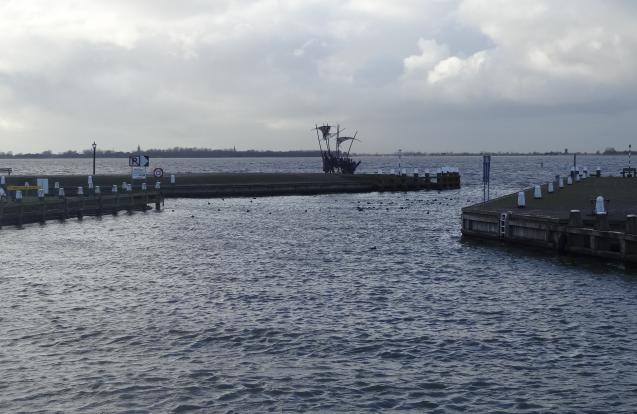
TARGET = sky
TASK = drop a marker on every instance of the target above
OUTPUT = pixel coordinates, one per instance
(419, 75)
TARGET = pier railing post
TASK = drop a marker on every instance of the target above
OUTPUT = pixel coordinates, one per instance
(601, 221)
(575, 219)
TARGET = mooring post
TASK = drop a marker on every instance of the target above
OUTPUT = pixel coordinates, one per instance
(631, 224)
(575, 218)
(627, 246)
(20, 215)
(97, 194)
(43, 205)
(601, 221)
(521, 200)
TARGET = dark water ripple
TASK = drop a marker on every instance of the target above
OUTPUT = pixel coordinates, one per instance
(306, 304)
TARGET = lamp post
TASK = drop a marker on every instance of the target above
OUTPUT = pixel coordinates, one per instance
(94, 147)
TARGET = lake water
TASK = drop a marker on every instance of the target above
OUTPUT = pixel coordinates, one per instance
(308, 304)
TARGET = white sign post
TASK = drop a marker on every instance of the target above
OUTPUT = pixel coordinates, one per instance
(138, 173)
(138, 163)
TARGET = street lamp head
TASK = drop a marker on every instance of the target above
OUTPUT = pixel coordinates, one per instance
(94, 145)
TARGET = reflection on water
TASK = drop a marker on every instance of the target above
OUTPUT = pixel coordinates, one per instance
(331, 303)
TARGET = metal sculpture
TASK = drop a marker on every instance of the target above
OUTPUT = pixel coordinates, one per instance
(335, 159)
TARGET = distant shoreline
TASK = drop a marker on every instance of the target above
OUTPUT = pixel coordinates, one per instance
(204, 153)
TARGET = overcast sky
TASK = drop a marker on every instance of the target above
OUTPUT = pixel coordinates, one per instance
(421, 75)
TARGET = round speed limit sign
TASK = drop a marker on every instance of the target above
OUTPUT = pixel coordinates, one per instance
(158, 172)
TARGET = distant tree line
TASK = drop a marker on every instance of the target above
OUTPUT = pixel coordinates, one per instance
(181, 152)
(177, 152)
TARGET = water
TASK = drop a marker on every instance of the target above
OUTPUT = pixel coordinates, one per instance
(307, 304)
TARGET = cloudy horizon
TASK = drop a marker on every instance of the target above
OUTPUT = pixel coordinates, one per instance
(437, 75)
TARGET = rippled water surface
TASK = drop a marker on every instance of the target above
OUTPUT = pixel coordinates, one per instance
(333, 303)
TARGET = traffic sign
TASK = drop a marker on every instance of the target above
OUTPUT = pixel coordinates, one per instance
(138, 161)
(158, 172)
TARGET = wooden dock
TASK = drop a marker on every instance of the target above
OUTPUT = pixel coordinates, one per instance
(257, 184)
(566, 220)
(268, 184)
(40, 210)
(109, 194)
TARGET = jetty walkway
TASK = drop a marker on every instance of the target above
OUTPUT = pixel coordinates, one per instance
(72, 196)
(569, 219)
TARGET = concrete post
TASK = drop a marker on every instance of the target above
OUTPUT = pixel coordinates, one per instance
(575, 219)
(601, 222)
(631, 224)
(521, 200)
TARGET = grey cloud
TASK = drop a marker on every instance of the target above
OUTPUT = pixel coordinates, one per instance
(432, 75)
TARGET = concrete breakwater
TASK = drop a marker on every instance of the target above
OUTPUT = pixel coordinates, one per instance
(78, 196)
(592, 216)
(256, 184)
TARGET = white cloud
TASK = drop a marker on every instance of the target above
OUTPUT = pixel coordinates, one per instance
(252, 72)
(542, 52)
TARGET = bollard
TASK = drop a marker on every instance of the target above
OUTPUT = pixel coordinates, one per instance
(124, 186)
(537, 192)
(90, 180)
(144, 187)
(601, 222)
(18, 196)
(56, 185)
(560, 182)
(98, 190)
(577, 177)
(404, 172)
(172, 179)
(569, 180)
(40, 194)
(90, 186)
(392, 172)
(631, 224)
(61, 192)
(550, 187)
(380, 171)
(598, 172)
(521, 200)
(157, 185)
(114, 189)
(80, 191)
(129, 187)
(600, 208)
(575, 218)
(416, 172)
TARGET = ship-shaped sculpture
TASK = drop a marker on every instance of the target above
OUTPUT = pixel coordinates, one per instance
(335, 159)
